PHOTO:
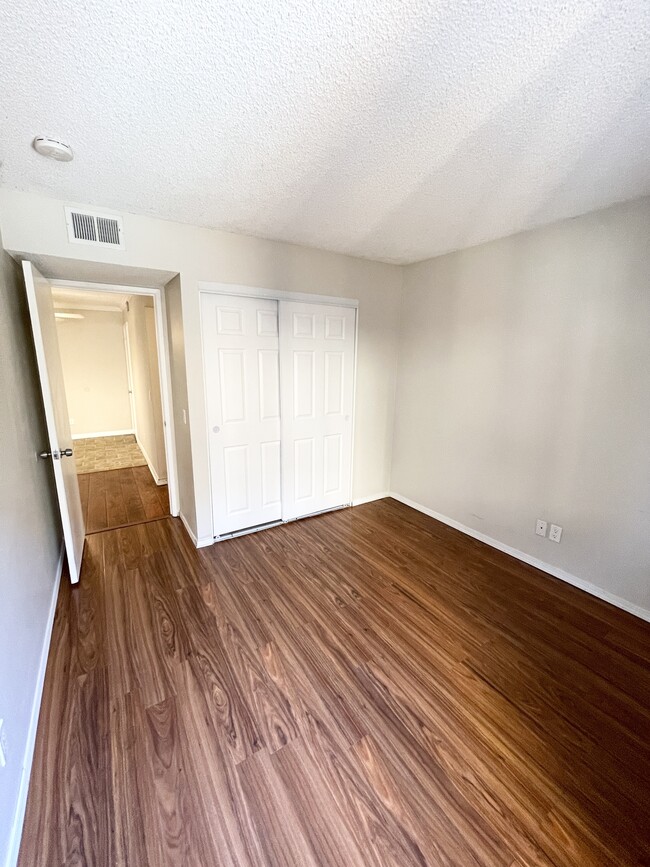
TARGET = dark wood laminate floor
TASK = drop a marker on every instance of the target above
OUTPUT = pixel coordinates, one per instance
(117, 498)
(367, 687)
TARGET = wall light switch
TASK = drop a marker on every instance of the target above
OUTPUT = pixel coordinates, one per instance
(184, 417)
(556, 533)
(3, 746)
(540, 528)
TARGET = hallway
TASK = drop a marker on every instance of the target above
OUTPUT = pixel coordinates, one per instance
(119, 498)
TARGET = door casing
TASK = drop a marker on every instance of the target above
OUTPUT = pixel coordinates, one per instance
(164, 366)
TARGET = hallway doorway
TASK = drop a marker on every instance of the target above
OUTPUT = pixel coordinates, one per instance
(109, 357)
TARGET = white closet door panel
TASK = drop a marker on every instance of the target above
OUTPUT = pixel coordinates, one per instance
(237, 487)
(240, 347)
(304, 451)
(334, 382)
(233, 385)
(269, 381)
(304, 385)
(333, 482)
(317, 395)
(270, 469)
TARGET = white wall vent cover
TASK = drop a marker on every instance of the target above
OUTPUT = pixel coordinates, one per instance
(86, 227)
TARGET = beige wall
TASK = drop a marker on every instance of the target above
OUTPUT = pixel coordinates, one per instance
(35, 226)
(94, 370)
(173, 307)
(29, 536)
(524, 393)
(146, 383)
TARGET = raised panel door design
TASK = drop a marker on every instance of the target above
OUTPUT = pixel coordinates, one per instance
(267, 323)
(334, 327)
(317, 395)
(304, 325)
(304, 475)
(233, 388)
(270, 462)
(237, 487)
(303, 384)
(240, 346)
(334, 368)
(230, 320)
(332, 454)
(269, 374)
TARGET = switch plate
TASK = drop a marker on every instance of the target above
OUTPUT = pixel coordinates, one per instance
(3, 746)
(540, 527)
(556, 533)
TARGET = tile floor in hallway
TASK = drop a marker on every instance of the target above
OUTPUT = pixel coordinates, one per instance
(96, 454)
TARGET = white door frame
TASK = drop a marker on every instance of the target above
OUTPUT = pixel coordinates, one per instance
(129, 375)
(275, 294)
(210, 288)
(164, 366)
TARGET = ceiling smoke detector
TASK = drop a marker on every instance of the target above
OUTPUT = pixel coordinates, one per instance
(53, 148)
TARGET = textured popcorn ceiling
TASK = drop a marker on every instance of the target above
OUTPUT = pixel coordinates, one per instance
(390, 129)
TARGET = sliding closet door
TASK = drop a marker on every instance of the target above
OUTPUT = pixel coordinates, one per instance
(240, 346)
(317, 387)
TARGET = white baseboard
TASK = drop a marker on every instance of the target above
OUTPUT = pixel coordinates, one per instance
(152, 469)
(102, 433)
(556, 572)
(28, 758)
(361, 500)
(198, 543)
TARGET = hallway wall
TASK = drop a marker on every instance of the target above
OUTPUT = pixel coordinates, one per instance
(94, 370)
(149, 428)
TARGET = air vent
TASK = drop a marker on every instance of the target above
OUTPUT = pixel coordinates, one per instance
(85, 227)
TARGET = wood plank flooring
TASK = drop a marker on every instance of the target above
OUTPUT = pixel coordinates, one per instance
(366, 687)
(117, 498)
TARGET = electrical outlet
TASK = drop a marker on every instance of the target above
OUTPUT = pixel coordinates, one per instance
(3, 745)
(540, 527)
(556, 533)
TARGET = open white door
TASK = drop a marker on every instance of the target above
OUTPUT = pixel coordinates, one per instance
(46, 341)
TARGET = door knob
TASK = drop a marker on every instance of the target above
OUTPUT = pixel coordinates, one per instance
(56, 455)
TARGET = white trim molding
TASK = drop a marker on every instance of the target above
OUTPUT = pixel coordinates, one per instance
(152, 469)
(555, 571)
(16, 832)
(198, 543)
(102, 433)
(275, 294)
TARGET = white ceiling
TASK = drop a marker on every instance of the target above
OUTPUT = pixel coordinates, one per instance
(392, 130)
